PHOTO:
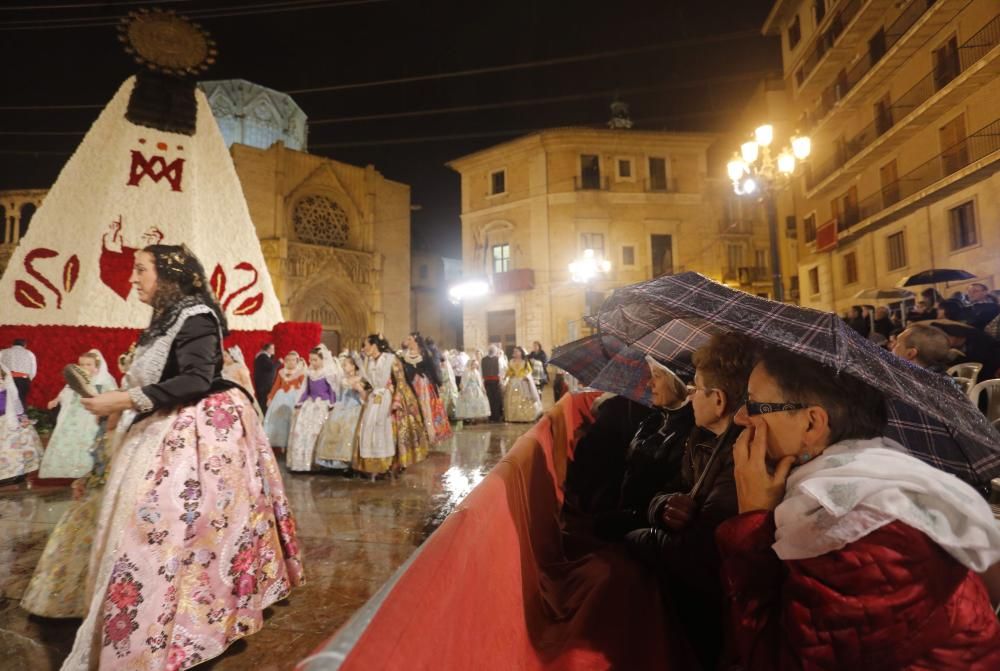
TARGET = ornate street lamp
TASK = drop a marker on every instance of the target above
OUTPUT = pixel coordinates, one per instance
(757, 172)
(587, 267)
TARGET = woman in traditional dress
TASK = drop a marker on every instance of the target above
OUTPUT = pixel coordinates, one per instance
(194, 537)
(313, 408)
(375, 449)
(20, 447)
(234, 368)
(68, 453)
(449, 387)
(538, 360)
(409, 430)
(336, 442)
(521, 402)
(422, 376)
(287, 389)
(472, 401)
(58, 586)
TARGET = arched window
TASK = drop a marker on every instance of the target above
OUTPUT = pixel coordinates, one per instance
(320, 221)
(27, 212)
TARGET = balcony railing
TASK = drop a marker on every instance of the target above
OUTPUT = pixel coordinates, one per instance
(975, 147)
(893, 34)
(828, 38)
(975, 48)
(660, 185)
(746, 274)
(591, 183)
(519, 279)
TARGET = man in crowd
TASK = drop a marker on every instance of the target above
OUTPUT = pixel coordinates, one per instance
(974, 345)
(925, 346)
(23, 367)
(490, 366)
(264, 370)
(459, 360)
(983, 307)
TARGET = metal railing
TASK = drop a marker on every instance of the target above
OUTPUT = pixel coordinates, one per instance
(968, 53)
(975, 147)
(660, 186)
(844, 85)
(596, 183)
(746, 274)
(828, 38)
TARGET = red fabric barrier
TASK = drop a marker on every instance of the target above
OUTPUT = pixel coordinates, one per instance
(57, 346)
(493, 588)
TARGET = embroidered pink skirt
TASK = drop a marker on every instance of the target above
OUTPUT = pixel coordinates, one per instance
(194, 540)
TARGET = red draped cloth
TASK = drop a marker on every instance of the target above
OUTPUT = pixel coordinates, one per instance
(493, 587)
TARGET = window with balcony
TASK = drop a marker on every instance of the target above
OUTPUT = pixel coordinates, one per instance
(628, 255)
(809, 227)
(896, 250)
(501, 258)
(594, 241)
(848, 213)
(876, 46)
(794, 32)
(814, 281)
(954, 148)
(657, 173)
(819, 10)
(662, 248)
(734, 256)
(889, 177)
(760, 259)
(962, 226)
(590, 171)
(850, 268)
(625, 168)
(498, 182)
(883, 115)
(946, 63)
(791, 227)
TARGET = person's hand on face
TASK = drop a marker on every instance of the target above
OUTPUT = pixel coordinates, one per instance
(757, 488)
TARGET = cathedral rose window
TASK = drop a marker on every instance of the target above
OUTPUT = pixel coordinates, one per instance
(320, 221)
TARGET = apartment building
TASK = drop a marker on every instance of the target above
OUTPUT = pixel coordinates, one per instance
(902, 101)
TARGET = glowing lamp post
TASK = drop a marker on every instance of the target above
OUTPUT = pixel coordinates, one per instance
(468, 289)
(756, 172)
(587, 267)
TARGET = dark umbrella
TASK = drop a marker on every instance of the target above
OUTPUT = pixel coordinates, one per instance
(936, 275)
(927, 412)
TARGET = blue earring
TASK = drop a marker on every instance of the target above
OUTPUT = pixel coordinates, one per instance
(805, 457)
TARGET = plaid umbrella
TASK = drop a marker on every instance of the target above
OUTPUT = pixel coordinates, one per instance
(606, 363)
(927, 412)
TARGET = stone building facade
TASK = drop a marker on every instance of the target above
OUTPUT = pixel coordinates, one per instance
(336, 239)
(17, 207)
(641, 200)
(901, 100)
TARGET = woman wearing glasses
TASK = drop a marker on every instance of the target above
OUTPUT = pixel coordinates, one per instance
(680, 543)
(848, 552)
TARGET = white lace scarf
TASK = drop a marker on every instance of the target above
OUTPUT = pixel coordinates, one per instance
(858, 486)
(150, 359)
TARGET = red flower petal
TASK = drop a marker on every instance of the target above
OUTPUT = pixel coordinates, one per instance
(218, 282)
(71, 273)
(28, 296)
(250, 305)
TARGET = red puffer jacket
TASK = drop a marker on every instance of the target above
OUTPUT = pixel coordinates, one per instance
(891, 600)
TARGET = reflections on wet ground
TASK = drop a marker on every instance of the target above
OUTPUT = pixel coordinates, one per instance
(354, 534)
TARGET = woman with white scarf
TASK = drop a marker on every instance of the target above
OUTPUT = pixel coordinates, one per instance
(849, 552)
(322, 383)
(20, 447)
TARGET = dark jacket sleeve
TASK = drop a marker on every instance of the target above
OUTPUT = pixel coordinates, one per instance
(196, 358)
(891, 599)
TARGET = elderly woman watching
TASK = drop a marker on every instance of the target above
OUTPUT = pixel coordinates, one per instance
(848, 552)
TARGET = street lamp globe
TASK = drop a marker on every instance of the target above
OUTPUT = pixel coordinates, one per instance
(786, 163)
(801, 147)
(736, 168)
(764, 135)
(750, 151)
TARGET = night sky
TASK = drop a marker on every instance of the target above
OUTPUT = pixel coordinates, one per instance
(687, 65)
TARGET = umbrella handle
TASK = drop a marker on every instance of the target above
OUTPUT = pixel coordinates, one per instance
(721, 442)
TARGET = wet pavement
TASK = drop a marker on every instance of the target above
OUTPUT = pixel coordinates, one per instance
(354, 534)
